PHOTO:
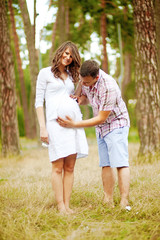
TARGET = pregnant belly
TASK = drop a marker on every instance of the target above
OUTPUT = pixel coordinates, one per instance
(69, 107)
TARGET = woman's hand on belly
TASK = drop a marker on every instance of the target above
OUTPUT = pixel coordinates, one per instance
(44, 135)
(74, 97)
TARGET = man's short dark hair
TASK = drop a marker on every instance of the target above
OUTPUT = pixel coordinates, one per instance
(89, 68)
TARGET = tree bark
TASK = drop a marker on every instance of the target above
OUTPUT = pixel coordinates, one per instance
(127, 61)
(103, 26)
(61, 22)
(67, 19)
(127, 75)
(9, 126)
(34, 22)
(20, 71)
(86, 112)
(53, 39)
(30, 38)
(157, 21)
(146, 75)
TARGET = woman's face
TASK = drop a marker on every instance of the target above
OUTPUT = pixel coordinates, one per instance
(66, 57)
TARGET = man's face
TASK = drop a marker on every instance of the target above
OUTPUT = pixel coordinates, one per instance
(88, 81)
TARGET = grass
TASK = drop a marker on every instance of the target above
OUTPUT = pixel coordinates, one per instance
(133, 135)
(28, 209)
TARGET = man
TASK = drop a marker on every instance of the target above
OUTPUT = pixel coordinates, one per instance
(112, 125)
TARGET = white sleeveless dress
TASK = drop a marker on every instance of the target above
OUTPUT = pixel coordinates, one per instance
(56, 93)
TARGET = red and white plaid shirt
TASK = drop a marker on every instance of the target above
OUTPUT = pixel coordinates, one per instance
(105, 95)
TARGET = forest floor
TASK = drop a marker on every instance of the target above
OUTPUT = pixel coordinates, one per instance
(28, 209)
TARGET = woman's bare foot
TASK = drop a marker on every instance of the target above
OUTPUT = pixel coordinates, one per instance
(61, 208)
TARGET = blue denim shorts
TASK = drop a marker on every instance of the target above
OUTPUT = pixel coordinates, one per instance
(113, 148)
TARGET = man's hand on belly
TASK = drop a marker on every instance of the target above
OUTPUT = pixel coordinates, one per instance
(68, 122)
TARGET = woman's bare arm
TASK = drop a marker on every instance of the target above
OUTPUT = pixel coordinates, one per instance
(42, 124)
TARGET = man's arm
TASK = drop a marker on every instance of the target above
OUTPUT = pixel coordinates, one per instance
(78, 90)
(83, 100)
(99, 119)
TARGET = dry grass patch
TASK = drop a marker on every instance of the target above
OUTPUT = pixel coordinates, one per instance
(28, 210)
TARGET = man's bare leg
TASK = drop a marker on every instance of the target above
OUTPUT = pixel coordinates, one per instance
(124, 183)
(108, 180)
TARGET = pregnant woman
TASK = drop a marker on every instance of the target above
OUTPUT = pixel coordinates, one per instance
(55, 84)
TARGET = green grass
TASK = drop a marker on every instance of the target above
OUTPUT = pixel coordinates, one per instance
(90, 132)
(28, 209)
(133, 135)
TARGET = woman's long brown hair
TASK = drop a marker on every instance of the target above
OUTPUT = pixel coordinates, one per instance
(73, 68)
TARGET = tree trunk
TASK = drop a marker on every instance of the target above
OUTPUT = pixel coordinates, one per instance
(20, 71)
(9, 126)
(0, 102)
(30, 38)
(53, 39)
(61, 22)
(86, 112)
(34, 23)
(103, 25)
(127, 75)
(67, 19)
(127, 62)
(146, 75)
(157, 20)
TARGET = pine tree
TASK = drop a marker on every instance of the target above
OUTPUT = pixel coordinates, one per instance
(146, 74)
(9, 126)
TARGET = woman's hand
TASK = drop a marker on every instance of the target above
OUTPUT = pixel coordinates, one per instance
(74, 97)
(68, 122)
(83, 100)
(44, 135)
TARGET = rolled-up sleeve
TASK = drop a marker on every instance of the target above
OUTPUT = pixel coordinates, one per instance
(40, 89)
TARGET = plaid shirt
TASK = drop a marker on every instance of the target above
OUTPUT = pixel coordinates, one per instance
(105, 95)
